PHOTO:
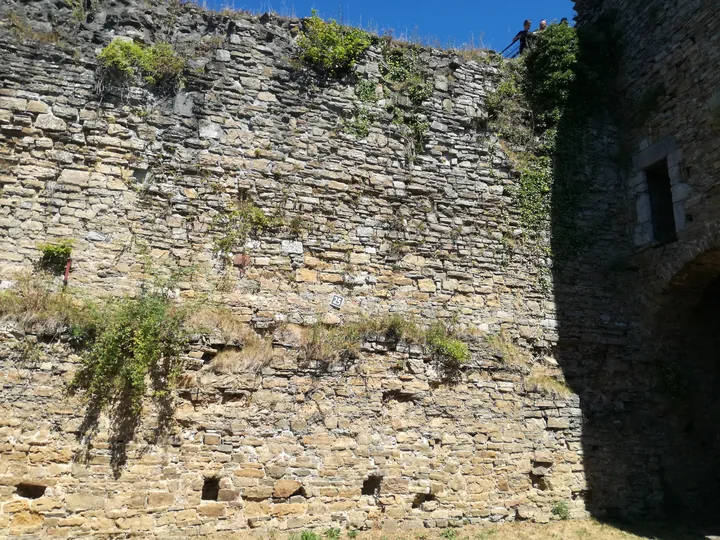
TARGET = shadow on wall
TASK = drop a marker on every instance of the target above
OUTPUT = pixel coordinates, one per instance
(648, 375)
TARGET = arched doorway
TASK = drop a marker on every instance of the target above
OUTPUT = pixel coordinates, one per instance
(685, 343)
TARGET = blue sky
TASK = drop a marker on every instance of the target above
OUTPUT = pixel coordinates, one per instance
(490, 23)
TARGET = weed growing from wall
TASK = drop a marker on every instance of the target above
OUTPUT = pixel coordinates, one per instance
(561, 510)
(136, 338)
(55, 256)
(406, 76)
(23, 31)
(331, 48)
(126, 63)
(35, 305)
(541, 111)
(234, 227)
(342, 343)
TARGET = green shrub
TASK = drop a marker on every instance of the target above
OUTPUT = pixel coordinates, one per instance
(55, 255)
(352, 534)
(550, 74)
(309, 535)
(342, 343)
(135, 337)
(332, 534)
(234, 227)
(445, 348)
(360, 123)
(331, 47)
(157, 65)
(406, 75)
(404, 71)
(365, 91)
(561, 510)
(449, 534)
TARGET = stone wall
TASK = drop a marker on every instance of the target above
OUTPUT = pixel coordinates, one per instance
(385, 441)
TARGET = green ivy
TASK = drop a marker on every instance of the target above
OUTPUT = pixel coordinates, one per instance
(330, 47)
(561, 510)
(365, 91)
(405, 72)
(359, 124)
(157, 65)
(540, 111)
(55, 255)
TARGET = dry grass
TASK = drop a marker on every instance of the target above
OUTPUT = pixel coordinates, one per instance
(511, 354)
(541, 380)
(37, 306)
(208, 320)
(24, 31)
(558, 530)
(331, 344)
(255, 354)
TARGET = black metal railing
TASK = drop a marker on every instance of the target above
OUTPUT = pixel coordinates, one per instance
(512, 50)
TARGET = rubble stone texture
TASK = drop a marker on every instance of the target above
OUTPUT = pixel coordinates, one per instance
(385, 441)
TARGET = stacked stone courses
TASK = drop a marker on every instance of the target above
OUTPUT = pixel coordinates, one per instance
(291, 446)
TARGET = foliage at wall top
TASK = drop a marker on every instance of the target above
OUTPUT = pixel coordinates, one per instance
(330, 47)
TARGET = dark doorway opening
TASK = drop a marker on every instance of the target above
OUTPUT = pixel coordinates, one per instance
(687, 355)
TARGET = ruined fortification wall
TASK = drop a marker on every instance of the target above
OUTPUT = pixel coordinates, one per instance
(291, 445)
(664, 285)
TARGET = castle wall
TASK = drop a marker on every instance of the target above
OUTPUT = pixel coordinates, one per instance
(434, 236)
(667, 125)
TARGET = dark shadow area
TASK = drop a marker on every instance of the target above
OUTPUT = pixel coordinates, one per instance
(30, 491)
(647, 373)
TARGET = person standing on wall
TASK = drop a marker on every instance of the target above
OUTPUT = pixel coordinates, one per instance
(523, 36)
(543, 25)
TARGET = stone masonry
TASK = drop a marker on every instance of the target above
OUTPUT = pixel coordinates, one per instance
(384, 442)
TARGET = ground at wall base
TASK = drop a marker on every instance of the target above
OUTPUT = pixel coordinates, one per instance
(559, 530)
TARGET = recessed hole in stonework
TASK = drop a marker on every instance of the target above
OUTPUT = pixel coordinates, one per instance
(539, 482)
(371, 486)
(421, 498)
(397, 395)
(30, 491)
(211, 489)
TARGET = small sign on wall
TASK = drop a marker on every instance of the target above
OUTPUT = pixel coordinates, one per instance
(337, 301)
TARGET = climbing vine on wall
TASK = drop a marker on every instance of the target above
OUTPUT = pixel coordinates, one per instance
(541, 111)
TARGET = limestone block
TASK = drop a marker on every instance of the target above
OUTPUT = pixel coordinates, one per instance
(13, 104)
(38, 107)
(49, 122)
(679, 214)
(680, 192)
(304, 275)
(221, 55)
(286, 488)
(208, 129)
(426, 285)
(77, 502)
(642, 208)
(75, 177)
(558, 423)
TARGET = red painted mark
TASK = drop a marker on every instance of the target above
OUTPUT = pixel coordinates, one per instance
(67, 271)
